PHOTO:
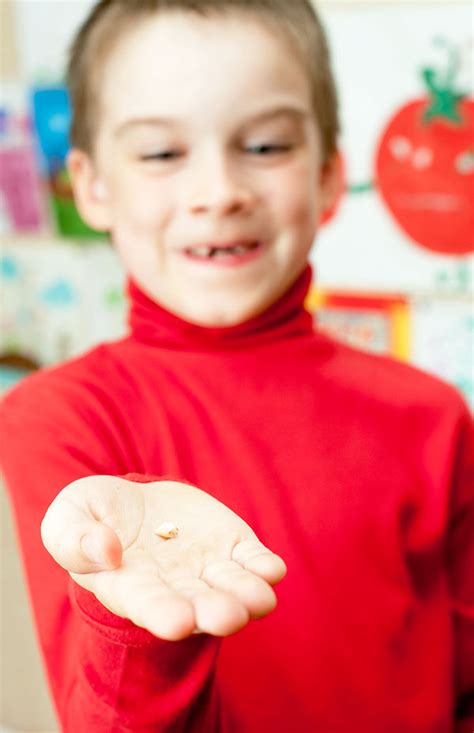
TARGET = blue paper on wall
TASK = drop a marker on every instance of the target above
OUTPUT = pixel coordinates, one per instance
(52, 120)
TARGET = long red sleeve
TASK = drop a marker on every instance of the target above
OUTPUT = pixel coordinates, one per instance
(106, 674)
(128, 680)
(356, 469)
(460, 550)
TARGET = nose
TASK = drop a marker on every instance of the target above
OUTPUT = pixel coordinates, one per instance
(220, 190)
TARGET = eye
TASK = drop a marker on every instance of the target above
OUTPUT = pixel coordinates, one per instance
(266, 149)
(162, 155)
(464, 162)
(400, 147)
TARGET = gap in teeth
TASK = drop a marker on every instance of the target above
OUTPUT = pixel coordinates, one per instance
(208, 252)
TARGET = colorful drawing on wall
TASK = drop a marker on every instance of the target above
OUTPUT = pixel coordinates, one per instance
(443, 336)
(458, 279)
(425, 163)
(9, 268)
(20, 191)
(373, 322)
(52, 117)
(59, 293)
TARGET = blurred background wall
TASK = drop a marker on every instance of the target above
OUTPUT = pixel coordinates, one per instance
(393, 263)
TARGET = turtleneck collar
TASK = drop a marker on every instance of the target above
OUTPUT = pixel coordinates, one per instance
(286, 318)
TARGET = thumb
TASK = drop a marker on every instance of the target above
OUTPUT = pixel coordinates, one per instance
(77, 541)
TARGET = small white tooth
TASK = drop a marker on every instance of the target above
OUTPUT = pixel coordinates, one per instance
(222, 252)
(201, 251)
(238, 250)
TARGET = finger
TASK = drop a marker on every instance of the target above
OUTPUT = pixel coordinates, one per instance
(215, 611)
(113, 501)
(90, 521)
(257, 558)
(77, 541)
(254, 592)
(163, 613)
(143, 598)
(219, 613)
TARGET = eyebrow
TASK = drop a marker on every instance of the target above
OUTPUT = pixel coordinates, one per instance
(270, 114)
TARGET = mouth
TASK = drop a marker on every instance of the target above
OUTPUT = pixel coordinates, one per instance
(430, 201)
(228, 251)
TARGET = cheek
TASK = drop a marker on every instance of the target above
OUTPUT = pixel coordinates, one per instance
(140, 205)
(293, 197)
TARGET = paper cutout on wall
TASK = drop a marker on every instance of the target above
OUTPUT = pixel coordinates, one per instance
(21, 204)
(373, 322)
(443, 336)
(52, 118)
(425, 164)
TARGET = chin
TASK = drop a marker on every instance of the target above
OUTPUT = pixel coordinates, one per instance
(217, 320)
(218, 317)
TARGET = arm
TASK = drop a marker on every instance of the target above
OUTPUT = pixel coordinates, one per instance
(131, 679)
(100, 667)
(107, 673)
(461, 565)
(212, 578)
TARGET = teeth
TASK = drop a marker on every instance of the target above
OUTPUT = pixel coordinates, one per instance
(206, 252)
(201, 251)
(223, 252)
(230, 251)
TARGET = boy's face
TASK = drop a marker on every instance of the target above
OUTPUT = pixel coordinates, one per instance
(207, 165)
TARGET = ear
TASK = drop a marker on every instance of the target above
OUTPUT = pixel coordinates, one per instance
(331, 182)
(90, 192)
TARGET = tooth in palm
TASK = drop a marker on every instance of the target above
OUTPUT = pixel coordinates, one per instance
(167, 530)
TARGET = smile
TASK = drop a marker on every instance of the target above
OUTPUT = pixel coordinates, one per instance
(231, 253)
(430, 201)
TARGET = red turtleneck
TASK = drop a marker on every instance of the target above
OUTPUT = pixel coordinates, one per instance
(356, 469)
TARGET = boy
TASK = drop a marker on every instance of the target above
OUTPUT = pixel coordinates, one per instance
(204, 140)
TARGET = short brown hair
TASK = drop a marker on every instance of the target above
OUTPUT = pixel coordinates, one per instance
(297, 20)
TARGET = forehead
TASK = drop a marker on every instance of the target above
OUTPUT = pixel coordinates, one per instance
(178, 64)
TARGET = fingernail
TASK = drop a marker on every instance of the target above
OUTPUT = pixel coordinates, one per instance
(91, 547)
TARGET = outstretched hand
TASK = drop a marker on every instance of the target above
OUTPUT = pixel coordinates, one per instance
(212, 577)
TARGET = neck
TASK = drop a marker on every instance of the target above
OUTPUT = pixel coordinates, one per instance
(286, 318)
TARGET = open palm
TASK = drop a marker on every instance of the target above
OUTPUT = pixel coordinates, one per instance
(213, 576)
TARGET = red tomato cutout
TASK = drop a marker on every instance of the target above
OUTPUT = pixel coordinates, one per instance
(425, 174)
